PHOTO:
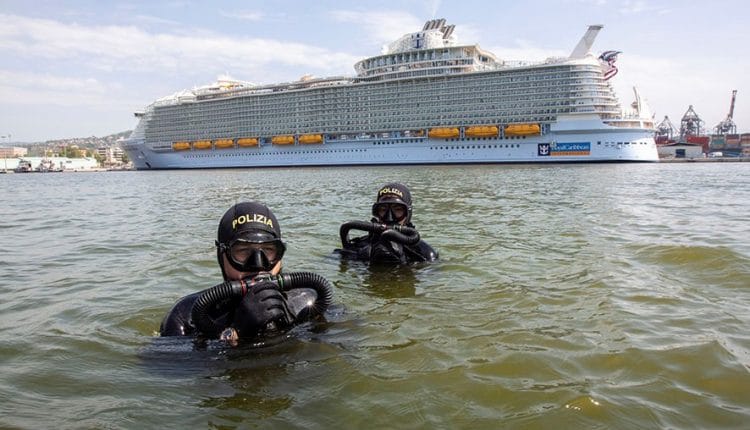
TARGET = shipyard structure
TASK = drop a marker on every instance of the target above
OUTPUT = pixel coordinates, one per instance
(692, 139)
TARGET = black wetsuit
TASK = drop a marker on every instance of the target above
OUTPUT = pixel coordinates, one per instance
(178, 321)
(375, 249)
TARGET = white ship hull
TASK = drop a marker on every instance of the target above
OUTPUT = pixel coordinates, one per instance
(607, 144)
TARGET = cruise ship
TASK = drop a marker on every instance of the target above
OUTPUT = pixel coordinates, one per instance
(425, 100)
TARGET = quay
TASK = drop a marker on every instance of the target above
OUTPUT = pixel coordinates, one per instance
(705, 160)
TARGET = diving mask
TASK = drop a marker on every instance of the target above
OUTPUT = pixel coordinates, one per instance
(254, 253)
(390, 212)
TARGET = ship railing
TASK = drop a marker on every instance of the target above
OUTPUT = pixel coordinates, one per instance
(506, 64)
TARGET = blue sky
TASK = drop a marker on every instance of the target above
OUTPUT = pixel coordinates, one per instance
(81, 68)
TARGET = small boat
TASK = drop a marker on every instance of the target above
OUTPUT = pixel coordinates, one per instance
(481, 131)
(202, 144)
(47, 165)
(24, 166)
(311, 138)
(522, 129)
(247, 141)
(283, 140)
(443, 132)
(181, 146)
(223, 143)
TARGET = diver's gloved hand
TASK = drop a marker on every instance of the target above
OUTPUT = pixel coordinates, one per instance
(264, 310)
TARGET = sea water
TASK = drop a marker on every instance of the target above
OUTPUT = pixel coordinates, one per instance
(566, 296)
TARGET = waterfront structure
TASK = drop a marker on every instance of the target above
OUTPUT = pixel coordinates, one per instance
(425, 100)
(45, 164)
(681, 150)
(111, 155)
(733, 145)
(12, 152)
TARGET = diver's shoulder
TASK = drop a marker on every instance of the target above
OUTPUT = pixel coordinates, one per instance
(177, 322)
(429, 253)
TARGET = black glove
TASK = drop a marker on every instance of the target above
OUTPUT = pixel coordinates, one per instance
(263, 310)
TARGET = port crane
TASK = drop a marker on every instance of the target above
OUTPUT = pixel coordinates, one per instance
(690, 125)
(665, 131)
(728, 126)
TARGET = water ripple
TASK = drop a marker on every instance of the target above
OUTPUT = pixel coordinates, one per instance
(586, 296)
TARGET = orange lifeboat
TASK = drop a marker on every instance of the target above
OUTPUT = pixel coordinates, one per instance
(481, 131)
(283, 140)
(202, 144)
(311, 138)
(181, 146)
(223, 143)
(522, 129)
(247, 141)
(443, 132)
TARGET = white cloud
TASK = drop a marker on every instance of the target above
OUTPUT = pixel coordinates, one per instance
(434, 6)
(671, 85)
(243, 15)
(588, 2)
(130, 48)
(641, 6)
(54, 66)
(382, 26)
(48, 89)
(48, 81)
(155, 20)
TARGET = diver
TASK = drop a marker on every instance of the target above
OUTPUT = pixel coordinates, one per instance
(391, 236)
(256, 300)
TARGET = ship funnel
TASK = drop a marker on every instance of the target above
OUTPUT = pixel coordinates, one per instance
(584, 45)
(448, 31)
(434, 24)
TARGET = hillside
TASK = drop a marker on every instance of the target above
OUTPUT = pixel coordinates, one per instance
(91, 142)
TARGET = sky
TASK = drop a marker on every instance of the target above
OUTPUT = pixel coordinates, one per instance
(82, 68)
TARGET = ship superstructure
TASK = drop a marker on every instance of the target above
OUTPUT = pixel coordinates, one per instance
(426, 99)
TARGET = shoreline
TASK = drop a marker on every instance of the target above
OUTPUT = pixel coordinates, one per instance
(662, 160)
(100, 169)
(705, 160)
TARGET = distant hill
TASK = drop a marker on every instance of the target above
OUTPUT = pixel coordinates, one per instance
(58, 145)
(89, 142)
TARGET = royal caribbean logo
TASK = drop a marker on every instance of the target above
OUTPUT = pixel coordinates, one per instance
(562, 149)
